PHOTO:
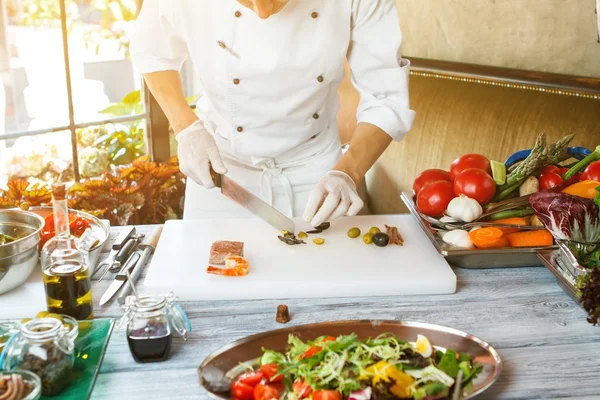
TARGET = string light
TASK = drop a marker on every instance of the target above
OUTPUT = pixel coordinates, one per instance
(508, 85)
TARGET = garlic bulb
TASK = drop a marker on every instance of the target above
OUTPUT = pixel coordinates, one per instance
(464, 209)
(458, 238)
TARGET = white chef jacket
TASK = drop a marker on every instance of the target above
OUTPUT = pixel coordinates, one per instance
(270, 86)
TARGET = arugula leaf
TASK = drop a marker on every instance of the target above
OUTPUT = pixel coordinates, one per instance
(449, 363)
(341, 343)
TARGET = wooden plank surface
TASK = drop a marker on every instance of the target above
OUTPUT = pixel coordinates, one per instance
(549, 350)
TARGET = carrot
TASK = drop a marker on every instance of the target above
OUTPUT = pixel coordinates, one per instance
(512, 221)
(538, 238)
(488, 238)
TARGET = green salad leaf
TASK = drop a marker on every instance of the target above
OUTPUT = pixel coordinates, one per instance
(449, 363)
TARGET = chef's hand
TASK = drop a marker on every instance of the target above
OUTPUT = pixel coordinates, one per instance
(334, 196)
(197, 152)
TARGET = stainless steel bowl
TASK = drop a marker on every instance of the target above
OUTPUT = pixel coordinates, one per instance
(101, 231)
(19, 258)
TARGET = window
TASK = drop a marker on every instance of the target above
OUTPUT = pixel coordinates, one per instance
(71, 103)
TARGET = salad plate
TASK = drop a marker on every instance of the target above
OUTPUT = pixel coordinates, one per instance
(476, 258)
(221, 368)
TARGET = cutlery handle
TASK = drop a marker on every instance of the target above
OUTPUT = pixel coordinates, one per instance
(125, 251)
(215, 177)
(123, 237)
(129, 265)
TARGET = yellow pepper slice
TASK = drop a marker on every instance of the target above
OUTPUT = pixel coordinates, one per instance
(585, 189)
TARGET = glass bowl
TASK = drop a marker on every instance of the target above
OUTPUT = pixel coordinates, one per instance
(31, 379)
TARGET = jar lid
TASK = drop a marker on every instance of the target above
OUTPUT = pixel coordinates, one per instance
(179, 319)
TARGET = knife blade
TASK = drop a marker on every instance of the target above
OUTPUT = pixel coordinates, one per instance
(252, 203)
(119, 279)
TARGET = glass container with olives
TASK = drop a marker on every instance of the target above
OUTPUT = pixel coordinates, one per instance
(42, 346)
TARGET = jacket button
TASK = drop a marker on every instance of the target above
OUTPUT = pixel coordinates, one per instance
(316, 116)
(236, 81)
(320, 78)
(240, 129)
(314, 14)
(238, 14)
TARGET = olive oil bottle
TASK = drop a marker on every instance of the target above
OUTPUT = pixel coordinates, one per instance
(65, 267)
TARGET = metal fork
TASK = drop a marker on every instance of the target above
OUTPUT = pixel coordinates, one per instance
(458, 225)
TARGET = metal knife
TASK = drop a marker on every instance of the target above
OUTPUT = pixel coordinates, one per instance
(252, 203)
(148, 247)
(120, 278)
(120, 240)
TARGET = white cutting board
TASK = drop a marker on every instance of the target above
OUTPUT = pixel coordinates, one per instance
(342, 267)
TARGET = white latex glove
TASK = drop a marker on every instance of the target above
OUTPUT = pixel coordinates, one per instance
(197, 151)
(341, 198)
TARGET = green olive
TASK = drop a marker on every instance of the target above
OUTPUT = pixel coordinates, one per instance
(374, 230)
(368, 238)
(354, 233)
(25, 320)
(42, 314)
(318, 241)
(302, 235)
(56, 316)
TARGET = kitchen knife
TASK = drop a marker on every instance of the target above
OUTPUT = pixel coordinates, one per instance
(252, 203)
(120, 278)
(120, 240)
(148, 248)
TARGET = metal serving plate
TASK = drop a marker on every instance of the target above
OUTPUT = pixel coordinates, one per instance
(221, 367)
(552, 260)
(476, 258)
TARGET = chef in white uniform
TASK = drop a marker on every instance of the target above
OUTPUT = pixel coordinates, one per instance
(270, 71)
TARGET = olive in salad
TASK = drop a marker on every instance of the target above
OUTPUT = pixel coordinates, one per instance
(348, 368)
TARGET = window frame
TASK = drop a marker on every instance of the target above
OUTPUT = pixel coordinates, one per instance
(157, 126)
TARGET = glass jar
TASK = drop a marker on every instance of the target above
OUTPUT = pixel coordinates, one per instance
(42, 346)
(149, 322)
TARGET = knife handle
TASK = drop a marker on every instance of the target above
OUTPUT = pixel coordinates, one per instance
(129, 265)
(125, 251)
(122, 238)
(215, 177)
(151, 241)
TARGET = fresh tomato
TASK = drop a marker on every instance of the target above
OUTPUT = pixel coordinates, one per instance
(429, 175)
(268, 391)
(302, 389)
(574, 179)
(242, 391)
(550, 180)
(476, 184)
(550, 168)
(433, 198)
(327, 339)
(252, 378)
(312, 350)
(592, 172)
(269, 371)
(326, 395)
(469, 161)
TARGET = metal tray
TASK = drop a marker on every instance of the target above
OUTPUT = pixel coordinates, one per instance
(478, 258)
(220, 368)
(552, 260)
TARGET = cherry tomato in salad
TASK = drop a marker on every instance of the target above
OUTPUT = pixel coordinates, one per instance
(312, 350)
(242, 391)
(252, 378)
(327, 339)
(302, 389)
(433, 198)
(270, 372)
(592, 172)
(476, 184)
(550, 180)
(429, 175)
(268, 391)
(574, 179)
(326, 395)
(469, 161)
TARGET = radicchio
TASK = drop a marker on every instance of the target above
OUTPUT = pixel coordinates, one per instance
(363, 394)
(566, 216)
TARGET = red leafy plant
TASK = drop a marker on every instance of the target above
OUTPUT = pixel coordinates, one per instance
(144, 192)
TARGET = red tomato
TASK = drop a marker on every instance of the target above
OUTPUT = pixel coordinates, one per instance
(550, 180)
(312, 350)
(429, 175)
(270, 372)
(574, 179)
(327, 339)
(251, 378)
(242, 391)
(433, 198)
(268, 392)
(302, 389)
(476, 184)
(469, 161)
(326, 395)
(592, 172)
(550, 168)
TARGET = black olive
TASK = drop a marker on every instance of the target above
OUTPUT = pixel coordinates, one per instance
(381, 239)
